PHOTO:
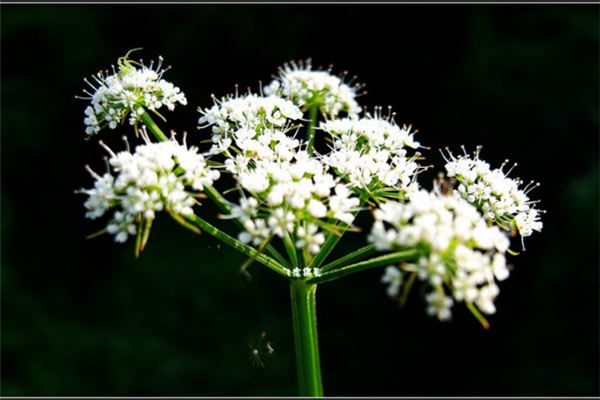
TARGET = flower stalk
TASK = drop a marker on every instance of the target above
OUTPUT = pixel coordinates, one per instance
(392, 258)
(355, 256)
(310, 132)
(151, 125)
(304, 316)
(236, 244)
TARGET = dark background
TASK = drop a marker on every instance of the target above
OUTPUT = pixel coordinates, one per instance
(84, 317)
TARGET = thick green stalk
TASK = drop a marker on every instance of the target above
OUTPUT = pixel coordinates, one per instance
(406, 255)
(236, 244)
(349, 258)
(304, 315)
(152, 127)
(310, 132)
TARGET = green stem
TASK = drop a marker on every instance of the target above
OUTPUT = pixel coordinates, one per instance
(333, 239)
(152, 127)
(406, 255)
(349, 258)
(221, 202)
(304, 315)
(310, 132)
(291, 249)
(406, 289)
(236, 244)
(326, 249)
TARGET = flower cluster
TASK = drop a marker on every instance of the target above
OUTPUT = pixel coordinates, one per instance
(291, 198)
(128, 92)
(371, 154)
(250, 123)
(155, 177)
(497, 196)
(321, 89)
(462, 257)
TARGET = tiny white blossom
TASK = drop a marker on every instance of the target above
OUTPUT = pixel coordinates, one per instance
(309, 238)
(439, 305)
(393, 277)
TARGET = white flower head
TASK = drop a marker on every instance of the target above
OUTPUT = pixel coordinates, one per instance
(461, 253)
(155, 177)
(500, 198)
(129, 91)
(296, 196)
(251, 127)
(242, 121)
(372, 154)
(307, 87)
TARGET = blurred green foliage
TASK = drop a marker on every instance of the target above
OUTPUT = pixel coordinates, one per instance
(83, 317)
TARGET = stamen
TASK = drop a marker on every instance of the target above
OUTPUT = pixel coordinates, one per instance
(105, 159)
(124, 137)
(92, 173)
(108, 149)
(511, 168)
(532, 187)
(144, 134)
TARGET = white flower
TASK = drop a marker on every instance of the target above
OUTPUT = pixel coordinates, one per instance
(461, 253)
(128, 92)
(438, 305)
(155, 177)
(100, 197)
(256, 231)
(496, 195)
(342, 204)
(528, 221)
(316, 208)
(122, 225)
(309, 238)
(393, 277)
(306, 87)
(371, 153)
